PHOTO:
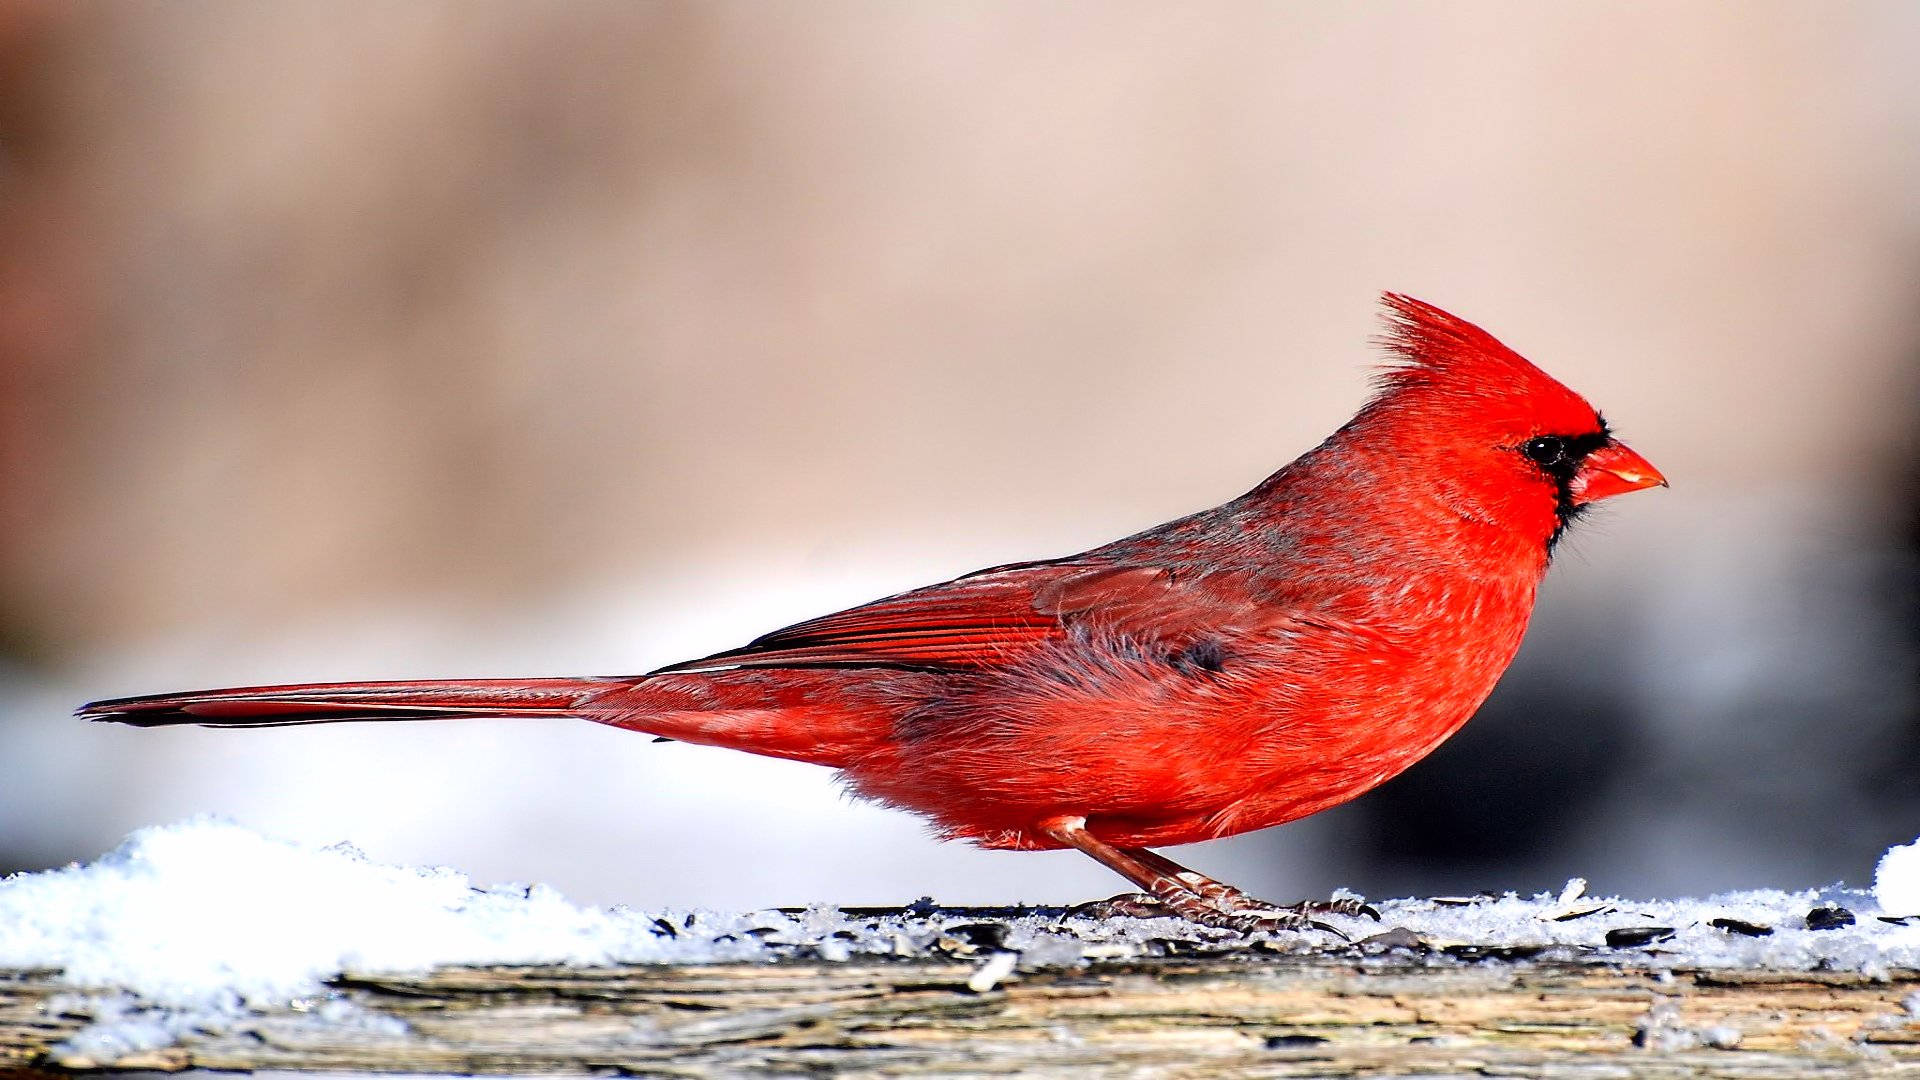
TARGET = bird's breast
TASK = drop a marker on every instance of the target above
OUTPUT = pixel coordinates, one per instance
(1330, 719)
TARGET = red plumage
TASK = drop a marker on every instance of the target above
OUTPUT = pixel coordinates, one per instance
(1241, 667)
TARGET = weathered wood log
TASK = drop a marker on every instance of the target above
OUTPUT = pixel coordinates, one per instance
(1251, 1012)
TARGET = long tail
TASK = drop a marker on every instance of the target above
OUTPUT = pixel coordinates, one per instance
(326, 703)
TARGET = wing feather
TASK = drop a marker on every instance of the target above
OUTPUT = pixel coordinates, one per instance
(990, 616)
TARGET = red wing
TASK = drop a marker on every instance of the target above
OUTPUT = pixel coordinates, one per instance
(983, 618)
(967, 622)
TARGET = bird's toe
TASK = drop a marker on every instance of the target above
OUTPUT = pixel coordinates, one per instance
(1134, 905)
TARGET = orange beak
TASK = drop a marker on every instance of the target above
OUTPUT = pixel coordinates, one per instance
(1614, 469)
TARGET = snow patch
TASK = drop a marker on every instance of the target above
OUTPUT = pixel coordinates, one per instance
(1896, 881)
(206, 911)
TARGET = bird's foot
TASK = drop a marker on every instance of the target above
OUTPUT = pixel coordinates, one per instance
(1227, 898)
(1249, 913)
(1172, 889)
(1350, 906)
(1212, 903)
(1218, 893)
(1133, 905)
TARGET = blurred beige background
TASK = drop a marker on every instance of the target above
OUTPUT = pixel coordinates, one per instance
(417, 339)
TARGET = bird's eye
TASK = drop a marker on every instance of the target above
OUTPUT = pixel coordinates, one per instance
(1545, 450)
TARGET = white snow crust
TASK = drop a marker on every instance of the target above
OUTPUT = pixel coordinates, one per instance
(206, 909)
(1896, 881)
(183, 925)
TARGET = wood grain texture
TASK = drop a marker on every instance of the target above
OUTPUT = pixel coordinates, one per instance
(1246, 1014)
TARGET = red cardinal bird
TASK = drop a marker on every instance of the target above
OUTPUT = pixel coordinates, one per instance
(1234, 669)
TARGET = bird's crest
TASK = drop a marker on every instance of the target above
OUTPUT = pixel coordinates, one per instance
(1435, 353)
(1427, 345)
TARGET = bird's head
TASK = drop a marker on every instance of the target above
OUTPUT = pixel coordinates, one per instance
(1490, 435)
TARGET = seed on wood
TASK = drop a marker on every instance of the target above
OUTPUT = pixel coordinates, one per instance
(1397, 938)
(1627, 937)
(1476, 953)
(981, 935)
(1181, 947)
(1282, 1042)
(1831, 917)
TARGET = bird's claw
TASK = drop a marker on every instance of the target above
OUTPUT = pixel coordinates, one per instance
(1227, 908)
(1275, 920)
(1133, 905)
(1350, 906)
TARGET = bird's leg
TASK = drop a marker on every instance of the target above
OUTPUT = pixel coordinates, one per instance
(1176, 895)
(1190, 895)
(1218, 893)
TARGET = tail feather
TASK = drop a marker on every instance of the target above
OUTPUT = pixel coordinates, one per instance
(326, 703)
